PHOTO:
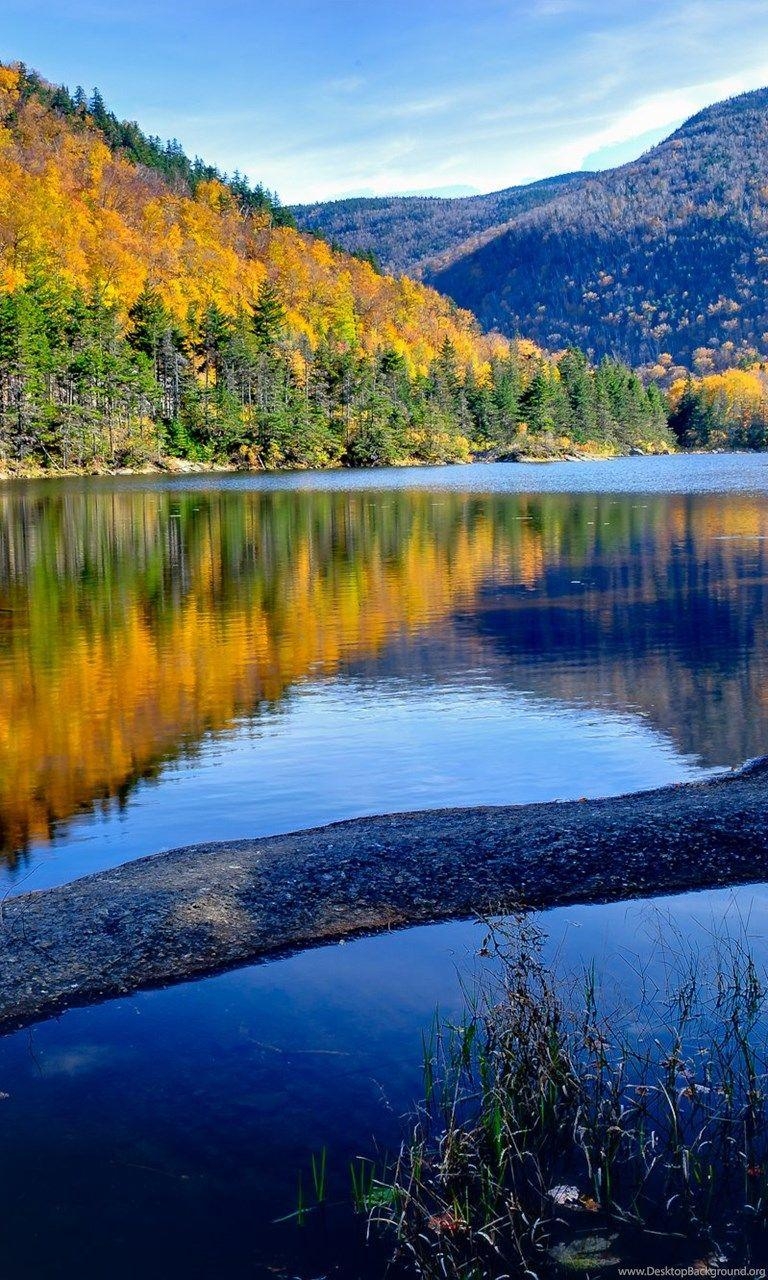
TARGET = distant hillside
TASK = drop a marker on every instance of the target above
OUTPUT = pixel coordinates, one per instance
(407, 233)
(662, 261)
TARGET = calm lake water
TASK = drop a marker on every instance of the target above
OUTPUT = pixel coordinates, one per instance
(213, 657)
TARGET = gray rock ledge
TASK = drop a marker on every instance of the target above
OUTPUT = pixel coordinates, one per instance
(204, 908)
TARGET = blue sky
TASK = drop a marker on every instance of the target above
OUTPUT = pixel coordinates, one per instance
(321, 97)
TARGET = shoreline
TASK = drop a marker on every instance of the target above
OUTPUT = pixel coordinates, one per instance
(202, 909)
(172, 466)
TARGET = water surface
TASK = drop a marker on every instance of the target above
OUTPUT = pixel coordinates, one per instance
(203, 658)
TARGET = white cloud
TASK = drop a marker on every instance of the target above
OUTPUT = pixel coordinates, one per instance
(660, 113)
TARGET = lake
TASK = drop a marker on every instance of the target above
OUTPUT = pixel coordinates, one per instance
(201, 658)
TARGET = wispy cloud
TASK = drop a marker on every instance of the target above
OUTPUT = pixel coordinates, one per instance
(345, 84)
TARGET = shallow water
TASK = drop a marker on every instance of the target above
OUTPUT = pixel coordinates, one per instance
(164, 1135)
(206, 658)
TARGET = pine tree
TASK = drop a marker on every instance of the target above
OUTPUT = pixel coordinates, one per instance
(268, 318)
(25, 361)
(149, 321)
(507, 389)
(578, 384)
(97, 108)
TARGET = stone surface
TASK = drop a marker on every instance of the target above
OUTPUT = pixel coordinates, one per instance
(200, 909)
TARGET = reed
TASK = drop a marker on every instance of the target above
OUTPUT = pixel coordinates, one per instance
(561, 1129)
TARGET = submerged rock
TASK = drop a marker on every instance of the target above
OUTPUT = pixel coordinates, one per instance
(590, 1253)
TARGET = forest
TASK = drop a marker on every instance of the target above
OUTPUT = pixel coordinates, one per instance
(727, 410)
(660, 262)
(126, 138)
(151, 306)
(81, 385)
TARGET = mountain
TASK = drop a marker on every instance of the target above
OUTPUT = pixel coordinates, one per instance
(662, 262)
(152, 306)
(663, 257)
(97, 204)
(408, 233)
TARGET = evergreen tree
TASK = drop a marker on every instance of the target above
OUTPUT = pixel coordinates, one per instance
(81, 382)
(149, 321)
(578, 384)
(268, 318)
(97, 108)
(507, 389)
(25, 364)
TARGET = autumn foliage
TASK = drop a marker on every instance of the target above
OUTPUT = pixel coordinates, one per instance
(727, 410)
(150, 305)
(96, 220)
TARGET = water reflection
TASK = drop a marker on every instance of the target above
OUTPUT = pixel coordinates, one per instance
(139, 624)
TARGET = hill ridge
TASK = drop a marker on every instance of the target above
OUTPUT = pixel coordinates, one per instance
(338, 220)
(659, 261)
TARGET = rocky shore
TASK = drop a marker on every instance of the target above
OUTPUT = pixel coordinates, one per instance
(533, 452)
(200, 909)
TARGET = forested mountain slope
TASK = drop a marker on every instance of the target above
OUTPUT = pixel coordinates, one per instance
(87, 214)
(150, 305)
(409, 233)
(662, 261)
(127, 139)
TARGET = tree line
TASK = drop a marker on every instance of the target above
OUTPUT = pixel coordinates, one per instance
(82, 383)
